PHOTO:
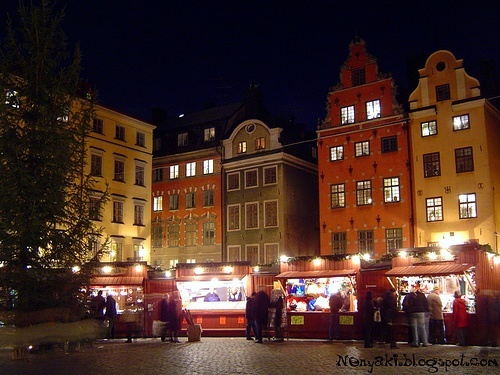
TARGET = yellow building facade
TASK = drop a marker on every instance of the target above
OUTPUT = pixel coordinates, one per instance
(119, 155)
(455, 156)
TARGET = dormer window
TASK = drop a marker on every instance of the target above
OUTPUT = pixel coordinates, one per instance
(209, 134)
(182, 139)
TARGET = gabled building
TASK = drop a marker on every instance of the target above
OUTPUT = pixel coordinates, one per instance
(187, 182)
(455, 155)
(120, 158)
(270, 190)
(363, 163)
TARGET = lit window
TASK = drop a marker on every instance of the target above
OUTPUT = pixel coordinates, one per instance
(260, 143)
(393, 239)
(242, 147)
(434, 208)
(336, 153)
(174, 172)
(347, 115)
(191, 169)
(391, 189)
(372, 109)
(428, 128)
(337, 195)
(461, 122)
(432, 165)
(362, 148)
(209, 134)
(158, 203)
(363, 192)
(208, 166)
(467, 206)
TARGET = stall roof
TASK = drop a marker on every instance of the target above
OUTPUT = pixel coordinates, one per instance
(209, 277)
(314, 274)
(429, 270)
(117, 280)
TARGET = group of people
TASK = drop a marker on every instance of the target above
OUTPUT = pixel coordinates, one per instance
(424, 314)
(262, 312)
(171, 316)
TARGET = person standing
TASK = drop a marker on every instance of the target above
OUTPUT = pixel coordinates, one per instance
(460, 318)
(262, 302)
(98, 304)
(418, 320)
(389, 312)
(250, 316)
(436, 320)
(110, 315)
(164, 315)
(336, 302)
(367, 318)
(175, 316)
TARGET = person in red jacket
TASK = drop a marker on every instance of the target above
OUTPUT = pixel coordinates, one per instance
(460, 318)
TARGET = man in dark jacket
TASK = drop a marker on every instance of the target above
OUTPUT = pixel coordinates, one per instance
(419, 311)
(164, 314)
(250, 316)
(389, 312)
(262, 302)
(336, 304)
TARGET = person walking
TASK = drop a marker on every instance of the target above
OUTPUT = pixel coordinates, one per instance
(175, 316)
(418, 316)
(389, 311)
(336, 302)
(250, 316)
(110, 315)
(368, 313)
(460, 318)
(436, 319)
(261, 313)
(164, 315)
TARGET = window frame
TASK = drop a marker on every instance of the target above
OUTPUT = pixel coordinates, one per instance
(140, 174)
(173, 202)
(364, 193)
(208, 166)
(252, 215)
(98, 125)
(339, 243)
(394, 237)
(389, 144)
(465, 162)
(461, 122)
(337, 196)
(337, 153)
(241, 147)
(174, 172)
(120, 132)
(271, 213)
(428, 127)
(260, 143)
(191, 169)
(190, 199)
(434, 206)
(347, 115)
(118, 210)
(361, 148)
(392, 189)
(270, 180)
(158, 203)
(182, 139)
(96, 165)
(358, 76)
(119, 170)
(467, 208)
(443, 92)
(430, 161)
(140, 139)
(371, 108)
(139, 214)
(209, 134)
(208, 198)
(233, 177)
(366, 241)
(251, 178)
(233, 217)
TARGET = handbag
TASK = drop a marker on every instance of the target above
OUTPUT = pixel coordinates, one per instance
(376, 316)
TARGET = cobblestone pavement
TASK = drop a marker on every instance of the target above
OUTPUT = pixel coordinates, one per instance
(236, 355)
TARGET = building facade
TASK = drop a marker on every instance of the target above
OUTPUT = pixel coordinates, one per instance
(120, 158)
(455, 157)
(363, 163)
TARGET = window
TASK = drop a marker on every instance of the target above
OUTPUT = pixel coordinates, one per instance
(209, 232)
(190, 232)
(339, 243)
(233, 253)
(97, 126)
(119, 170)
(260, 143)
(270, 253)
(182, 139)
(157, 144)
(208, 198)
(270, 175)
(209, 134)
(461, 122)
(242, 147)
(116, 254)
(139, 175)
(251, 178)
(464, 162)
(120, 132)
(372, 109)
(252, 215)
(140, 139)
(270, 214)
(467, 206)
(252, 254)
(233, 217)
(336, 153)
(138, 214)
(391, 189)
(337, 195)
(363, 192)
(158, 174)
(428, 128)
(156, 235)
(191, 169)
(158, 203)
(190, 200)
(365, 241)
(432, 165)
(358, 76)
(434, 208)
(393, 239)
(233, 181)
(117, 211)
(94, 209)
(347, 115)
(174, 172)
(174, 233)
(389, 144)
(96, 165)
(208, 166)
(173, 202)
(442, 92)
(362, 148)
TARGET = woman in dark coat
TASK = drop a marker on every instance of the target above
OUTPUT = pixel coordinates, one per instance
(261, 313)
(175, 316)
(367, 318)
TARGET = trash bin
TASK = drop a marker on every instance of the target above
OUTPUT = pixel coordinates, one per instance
(194, 332)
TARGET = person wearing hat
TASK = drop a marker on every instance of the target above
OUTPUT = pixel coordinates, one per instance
(436, 321)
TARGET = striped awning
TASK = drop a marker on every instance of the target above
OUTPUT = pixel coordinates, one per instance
(315, 274)
(429, 270)
(116, 280)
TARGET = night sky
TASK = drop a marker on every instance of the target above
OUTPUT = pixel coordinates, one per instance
(182, 55)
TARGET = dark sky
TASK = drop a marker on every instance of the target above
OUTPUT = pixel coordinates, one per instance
(183, 54)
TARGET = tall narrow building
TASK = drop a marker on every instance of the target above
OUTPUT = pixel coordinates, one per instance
(363, 163)
(455, 155)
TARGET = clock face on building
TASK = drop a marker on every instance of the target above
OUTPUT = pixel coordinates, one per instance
(250, 128)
